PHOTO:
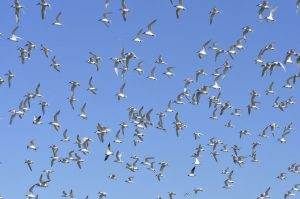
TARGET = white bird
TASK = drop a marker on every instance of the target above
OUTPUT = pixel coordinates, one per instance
(66, 138)
(139, 68)
(138, 38)
(83, 114)
(297, 5)
(169, 73)
(17, 6)
(37, 120)
(91, 88)
(32, 146)
(105, 20)
(54, 64)
(152, 75)
(55, 123)
(124, 10)
(179, 7)
(121, 94)
(149, 32)
(108, 152)
(13, 36)
(203, 52)
(44, 6)
(57, 20)
(270, 18)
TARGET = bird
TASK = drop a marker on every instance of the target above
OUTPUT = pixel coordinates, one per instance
(192, 173)
(13, 36)
(54, 64)
(91, 87)
(262, 7)
(270, 18)
(179, 7)
(149, 31)
(45, 50)
(152, 75)
(10, 76)
(124, 10)
(108, 152)
(83, 114)
(105, 20)
(17, 6)
(55, 123)
(29, 164)
(66, 138)
(57, 20)
(201, 53)
(44, 6)
(120, 95)
(138, 38)
(297, 5)
(169, 73)
(270, 89)
(37, 120)
(214, 11)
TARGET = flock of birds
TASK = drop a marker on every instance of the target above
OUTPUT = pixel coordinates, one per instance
(142, 119)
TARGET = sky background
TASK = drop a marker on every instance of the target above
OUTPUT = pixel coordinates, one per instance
(177, 41)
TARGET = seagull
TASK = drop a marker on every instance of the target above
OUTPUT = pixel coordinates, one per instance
(72, 99)
(57, 20)
(152, 75)
(91, 88)
(124, 10)
(66, 138)
(270, 18)
(13, 36)
(139, 68)
(203, 52)
(198, 189)
(106, 3)
(169, 73)
(44, 6)
(43, 105)
(192, 173)
(270, 89)
(138, 38)
(55, 123)
(121, 94)
(45, 50)
(83, 114)
(108, 152)
(129, 179)
(149, 31)
(118, 157)
(37, 120)
(105, 19)
(179, 7)
(102, 194)
(32, 145)
(262, 7)
(10, 76)
(297, 5)
(214, 11)
(246, 30)
(29, 163)
(54, 64)
(17, 6)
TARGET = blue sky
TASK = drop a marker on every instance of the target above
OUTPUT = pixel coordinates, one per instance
(177, 41)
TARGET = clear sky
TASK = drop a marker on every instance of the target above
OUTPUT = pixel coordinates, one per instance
(178, 42)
